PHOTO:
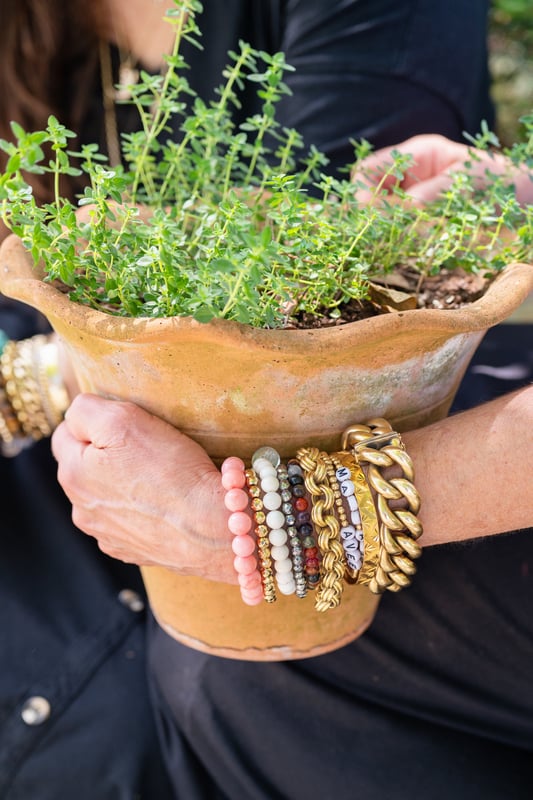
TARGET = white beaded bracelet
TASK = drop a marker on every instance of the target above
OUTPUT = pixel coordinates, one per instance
(265, 462)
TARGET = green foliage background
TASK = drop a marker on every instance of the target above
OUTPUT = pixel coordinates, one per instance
(511, 47)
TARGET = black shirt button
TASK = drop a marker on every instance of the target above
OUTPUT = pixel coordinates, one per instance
(131, 600)
(36, 710)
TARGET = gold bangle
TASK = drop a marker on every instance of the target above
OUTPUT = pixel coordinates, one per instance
(327, 528)
(369, 518)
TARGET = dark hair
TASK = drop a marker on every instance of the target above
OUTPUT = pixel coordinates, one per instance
(48, 64)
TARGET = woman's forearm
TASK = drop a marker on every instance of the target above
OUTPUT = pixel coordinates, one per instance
(474, 470)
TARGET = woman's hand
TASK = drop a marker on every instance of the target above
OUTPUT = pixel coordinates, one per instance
(146, 492)
(435, 159)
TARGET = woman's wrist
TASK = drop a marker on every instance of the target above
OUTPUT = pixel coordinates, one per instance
(474, 470)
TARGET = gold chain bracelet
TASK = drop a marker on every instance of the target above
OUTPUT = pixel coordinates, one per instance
(327, 527)
(375, 447)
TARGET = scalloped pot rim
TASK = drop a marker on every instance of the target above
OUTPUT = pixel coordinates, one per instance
(23, 283)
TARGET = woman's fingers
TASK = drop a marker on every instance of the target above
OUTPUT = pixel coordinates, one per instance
(433, 159)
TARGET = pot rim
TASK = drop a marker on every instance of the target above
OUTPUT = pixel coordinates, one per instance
(19, 279)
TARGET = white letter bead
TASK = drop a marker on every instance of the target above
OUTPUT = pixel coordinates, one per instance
(348, 532)
(351, 546)
(343, 474)
(353, 561)
(271, 501)
(347, 488)
(352, 502)
(356, 517)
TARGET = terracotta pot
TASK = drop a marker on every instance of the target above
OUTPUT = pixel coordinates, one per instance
(233, 388)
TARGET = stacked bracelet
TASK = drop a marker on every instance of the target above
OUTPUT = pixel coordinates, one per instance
(362, 512)
(325, 520)
(33, 398)
(295, 491)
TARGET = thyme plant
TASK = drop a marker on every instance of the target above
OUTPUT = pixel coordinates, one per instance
(240, 221)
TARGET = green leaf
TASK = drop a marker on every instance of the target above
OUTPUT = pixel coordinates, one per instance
(203, 314)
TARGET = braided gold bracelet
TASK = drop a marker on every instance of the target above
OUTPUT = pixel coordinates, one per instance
(376, 447)
(327, 527)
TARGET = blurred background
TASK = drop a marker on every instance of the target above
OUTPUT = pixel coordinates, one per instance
(511, 47)
(511, 61)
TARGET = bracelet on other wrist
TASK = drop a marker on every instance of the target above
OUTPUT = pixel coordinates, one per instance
(33, 397)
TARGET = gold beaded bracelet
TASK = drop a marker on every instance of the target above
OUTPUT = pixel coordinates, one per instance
(261, 531)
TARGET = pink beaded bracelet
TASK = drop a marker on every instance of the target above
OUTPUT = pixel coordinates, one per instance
(236, 501)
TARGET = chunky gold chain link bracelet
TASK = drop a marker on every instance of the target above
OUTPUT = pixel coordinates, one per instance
(376, 447)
